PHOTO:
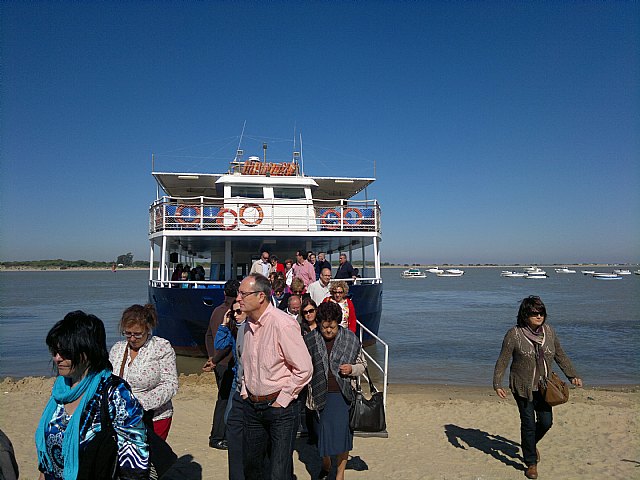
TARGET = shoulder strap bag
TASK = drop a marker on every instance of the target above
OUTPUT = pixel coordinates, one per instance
(554, 390)
(99, 458)
(367, 415)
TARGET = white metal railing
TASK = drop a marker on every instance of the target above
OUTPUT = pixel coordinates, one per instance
(384, 370)
(205, 213)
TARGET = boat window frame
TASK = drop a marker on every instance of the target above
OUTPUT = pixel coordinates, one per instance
(247, 191)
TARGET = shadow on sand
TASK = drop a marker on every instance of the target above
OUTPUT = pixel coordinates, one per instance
(308, 454)
(500, 448)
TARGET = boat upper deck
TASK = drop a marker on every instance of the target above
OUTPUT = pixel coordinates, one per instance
(254, 197)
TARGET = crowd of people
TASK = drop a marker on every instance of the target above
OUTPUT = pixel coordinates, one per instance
(285, 358)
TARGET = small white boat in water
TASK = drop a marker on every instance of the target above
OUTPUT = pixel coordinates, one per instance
(535, 271)
(413, 273)
(452, 272)
(637, 272)
(622, 272)
(435, 270)
(564, 270)
(606, 276)
(587, 272)
(536, 275)
(510, 274)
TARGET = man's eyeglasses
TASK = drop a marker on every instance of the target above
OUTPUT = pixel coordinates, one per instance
(246, 294)
(308, 312)
(133, 334)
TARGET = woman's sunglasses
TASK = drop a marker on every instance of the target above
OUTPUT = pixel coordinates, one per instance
(307, 312)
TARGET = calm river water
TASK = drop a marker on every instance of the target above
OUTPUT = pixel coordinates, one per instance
(439, 330)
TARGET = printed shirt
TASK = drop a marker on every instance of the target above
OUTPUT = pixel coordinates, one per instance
(275, 357)
(304, 272)
(152, 375)
(126, 414)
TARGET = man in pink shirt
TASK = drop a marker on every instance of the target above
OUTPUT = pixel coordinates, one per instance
(303, 269)
(277, 365)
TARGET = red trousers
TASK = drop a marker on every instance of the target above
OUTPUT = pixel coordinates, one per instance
(161, 427)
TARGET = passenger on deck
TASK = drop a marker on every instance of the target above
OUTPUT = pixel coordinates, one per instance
(297, 288)
(339, 291)
(276, 266)
(320, 264)
(277, 291)
(288, 271)
(263, 264)
(293, 306)
(319, 290)
(303, 269)
(345, 269)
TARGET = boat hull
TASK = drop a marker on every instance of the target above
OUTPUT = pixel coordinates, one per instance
(183, 313)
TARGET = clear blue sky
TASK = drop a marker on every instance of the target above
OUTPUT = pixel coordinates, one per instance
(501, 132)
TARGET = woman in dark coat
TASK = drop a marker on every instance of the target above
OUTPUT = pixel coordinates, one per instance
(335, 352)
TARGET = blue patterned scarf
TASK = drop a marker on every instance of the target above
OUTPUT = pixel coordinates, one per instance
(63, 393)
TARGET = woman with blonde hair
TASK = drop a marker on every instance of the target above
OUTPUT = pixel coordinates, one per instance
(339, 290)
(148, 364)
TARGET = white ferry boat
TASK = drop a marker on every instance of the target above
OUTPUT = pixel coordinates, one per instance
(413, 273)
(227, 218)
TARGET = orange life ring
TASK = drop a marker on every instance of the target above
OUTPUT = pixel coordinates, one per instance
(220, 219)
(248, 222)
(350, 220)
(192, 218)
(330, 218)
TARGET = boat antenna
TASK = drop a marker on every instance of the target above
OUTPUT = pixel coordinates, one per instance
(294, 136)
(301, 157)
(153, 169)
(238, 151)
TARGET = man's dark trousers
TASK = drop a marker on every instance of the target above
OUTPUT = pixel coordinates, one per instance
(224, 379)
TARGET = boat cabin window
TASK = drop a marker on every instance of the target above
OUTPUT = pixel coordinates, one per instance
(289, 192)
(246, 191)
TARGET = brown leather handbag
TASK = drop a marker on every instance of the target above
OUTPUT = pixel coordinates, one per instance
(555, 391)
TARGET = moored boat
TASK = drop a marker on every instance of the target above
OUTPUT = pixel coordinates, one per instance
(413, 273)
(510, 274)
(226, 219)
(435, 270)
(606, 276)
(564, 270)
(451, 272)
(622, 272)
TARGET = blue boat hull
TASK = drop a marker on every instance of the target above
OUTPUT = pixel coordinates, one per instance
(183, 313)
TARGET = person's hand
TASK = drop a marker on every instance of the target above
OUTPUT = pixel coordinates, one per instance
(276, 405)
(345, 369)
(227, 318)
(501, 393)
(576, 381)
(208, 365)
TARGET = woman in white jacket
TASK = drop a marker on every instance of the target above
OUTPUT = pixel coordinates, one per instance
(148, 364)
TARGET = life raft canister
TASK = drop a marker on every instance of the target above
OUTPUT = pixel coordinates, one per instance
(256, 221)
(220, 218)
(330, 219)
(188, 214)
(352, 216)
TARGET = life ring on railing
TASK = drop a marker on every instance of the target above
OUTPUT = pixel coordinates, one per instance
(219, 221)
(194, 216)
(330, 218)
(355, 219)
(251, 223)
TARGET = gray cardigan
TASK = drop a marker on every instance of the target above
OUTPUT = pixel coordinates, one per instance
(521, 351)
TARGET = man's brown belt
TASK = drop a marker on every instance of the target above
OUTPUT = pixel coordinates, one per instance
(264, 398)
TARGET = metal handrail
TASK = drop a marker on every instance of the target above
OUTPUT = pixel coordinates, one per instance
(385, 369)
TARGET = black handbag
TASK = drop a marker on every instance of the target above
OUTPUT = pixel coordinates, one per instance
(99, 459)
(367, 415)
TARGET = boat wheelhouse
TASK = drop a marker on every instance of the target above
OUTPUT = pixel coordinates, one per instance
(226, 219)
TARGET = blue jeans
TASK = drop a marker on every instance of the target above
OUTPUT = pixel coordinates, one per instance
(234, 421)
(536, 419)
(266, 426)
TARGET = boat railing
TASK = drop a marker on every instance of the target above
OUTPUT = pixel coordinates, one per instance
(219, 284)
(206, 213)
(384, 370)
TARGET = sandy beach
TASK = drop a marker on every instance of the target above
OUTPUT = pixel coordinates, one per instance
(435, 432)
